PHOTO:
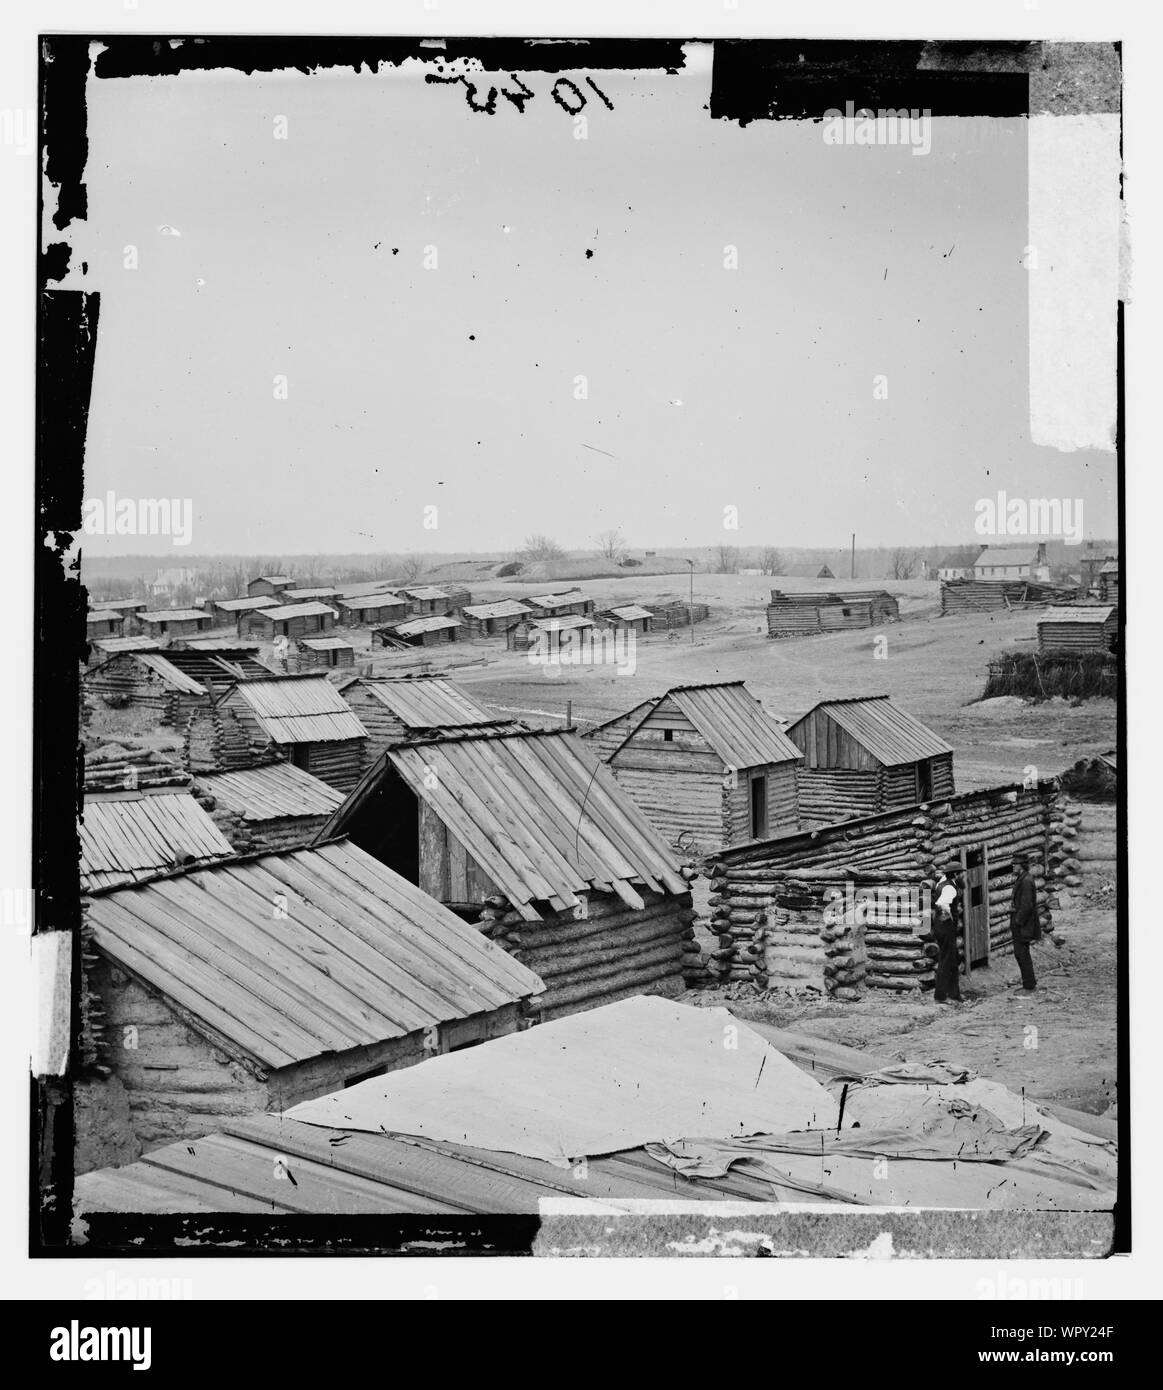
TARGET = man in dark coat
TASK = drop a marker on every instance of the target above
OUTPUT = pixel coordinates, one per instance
(946, 920)
(1024, 926)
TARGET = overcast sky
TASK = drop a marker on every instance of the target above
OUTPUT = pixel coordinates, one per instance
(454, 387)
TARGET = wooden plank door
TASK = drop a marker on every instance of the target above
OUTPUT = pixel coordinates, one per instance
(975, 906)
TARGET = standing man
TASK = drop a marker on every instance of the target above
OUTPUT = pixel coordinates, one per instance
(1024, 926)
(946, 912)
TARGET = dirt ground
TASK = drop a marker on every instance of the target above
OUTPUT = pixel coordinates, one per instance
(1059, 1042)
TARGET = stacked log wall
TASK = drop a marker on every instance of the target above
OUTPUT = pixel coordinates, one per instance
(614, 952)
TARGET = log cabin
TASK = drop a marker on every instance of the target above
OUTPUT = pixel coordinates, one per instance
(102, 647)
(103, 622)
(706, 764)
(229, 611)
(864, 755)
(545, 633)
(399, 709)
(493, 619)
(270, 585)
(373, 610)
(328, 653)
(304, 718)
(265, 981)
(631, 616)
(423, 632)
(573, 601)
(428, 601)
(1082, 628)
(526, 833)
(216, 666)
(175, 622)
(268, 806)
(150, 686)
(1108, 582)
(288, 620)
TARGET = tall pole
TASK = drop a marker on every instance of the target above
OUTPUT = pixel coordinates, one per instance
(852, 565)
(691, 608)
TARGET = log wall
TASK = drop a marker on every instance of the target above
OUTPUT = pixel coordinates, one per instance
(766, 895)
(611, 954)
(338, 763)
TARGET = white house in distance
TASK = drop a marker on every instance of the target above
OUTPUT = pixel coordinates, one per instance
(1012, 562)
(958, 564)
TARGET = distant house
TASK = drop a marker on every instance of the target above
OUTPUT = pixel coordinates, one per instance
(1091, 565)
(103, 623)
(631, 616)
(958, 564)
(493, 619)
(404, 708)
(175, 622)
(427, 600)
(269, 585)
(330, 652)
(809, 570)
(318, 593)
(298, 973)
(1085, 628)
(545, 632)
(231, 610)
(526, 832)
(288, 620)
(373, 610)
(149, 684)
(561, 605)
(423, 632)
(306, 719)
(132, 834)
(169, 580)
(706, 764)
(1012, 562)
(864, 755)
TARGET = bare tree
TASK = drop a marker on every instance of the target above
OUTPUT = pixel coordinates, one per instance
(538, 547)
(770, 560)
(411, 567)
(903, 564)
(611, 545)
(726, 559)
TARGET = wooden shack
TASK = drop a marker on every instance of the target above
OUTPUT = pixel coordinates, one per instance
(306, 719)
(545, 632)
(311, 593)
(265, 981)
(266, 806)
(631, 616)
(528, 833)
(427, 600)
(332, 653)
(1084, 628)
(493, 619)
(1108, 582)
(398, 709)
(706, 764)
(865, 755)
(288, 620)
(148, 684)
(231, 610)
(175, 622)
(373, 610)
(792, 614)
(573, 601)
(424, 632)
(102, 647)
(268, 585)
(128, 835)
(218, 666)
(100, 622)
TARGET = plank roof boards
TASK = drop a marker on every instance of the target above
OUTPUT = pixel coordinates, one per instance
(542, 818)
(359, 956)
(503, 608)
(416, 627)
(631, 611)
(245, 605)
(427, 702)
(126, 836)
(300, 709)
(111, 646)
(272, 792)
(891, 735)
(175, 615)
(326, 644)
(731, 720)
(1082, 613)
(283, 611)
